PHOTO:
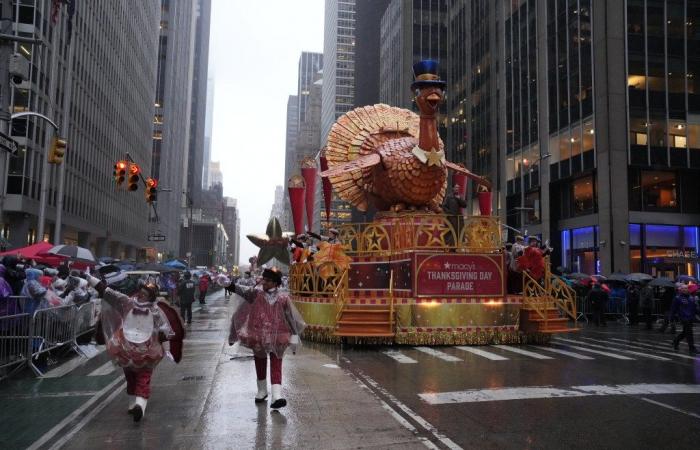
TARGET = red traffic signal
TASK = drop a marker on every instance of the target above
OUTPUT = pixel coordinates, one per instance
(120, 172)
(134, 171)
(151, 191)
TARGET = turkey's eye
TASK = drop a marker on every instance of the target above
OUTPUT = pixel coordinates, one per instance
(417, 92)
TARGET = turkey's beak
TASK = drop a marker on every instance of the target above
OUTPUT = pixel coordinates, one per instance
(433, 99)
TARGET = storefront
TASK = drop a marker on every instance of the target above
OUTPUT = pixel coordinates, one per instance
(664, 250)
(579, 250)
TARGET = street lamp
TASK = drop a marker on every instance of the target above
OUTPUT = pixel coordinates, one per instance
(522, 208)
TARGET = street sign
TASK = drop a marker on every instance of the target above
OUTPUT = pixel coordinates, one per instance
(156, 237)
(8, 143)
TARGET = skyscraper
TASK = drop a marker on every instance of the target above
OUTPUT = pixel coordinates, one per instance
(338, 76)
(196, 163)
(173, 107)
(411, 31)
(111, 112)
(290, 155)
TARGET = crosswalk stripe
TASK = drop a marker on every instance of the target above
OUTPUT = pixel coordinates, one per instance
(631, 352)
(642, 346)
(438, 354)
(104, 369)
(400, 357)
(544, 392)
(599, 352)
(522, 352)
(484, 353)
(656, 344)
(565, 352)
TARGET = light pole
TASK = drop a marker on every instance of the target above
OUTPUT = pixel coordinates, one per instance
(522, 208)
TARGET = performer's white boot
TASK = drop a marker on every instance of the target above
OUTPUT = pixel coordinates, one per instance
(132, 404)
(277, 400)
(261, 396)
(140, 408)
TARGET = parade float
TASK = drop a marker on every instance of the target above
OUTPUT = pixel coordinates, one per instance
(413, 275)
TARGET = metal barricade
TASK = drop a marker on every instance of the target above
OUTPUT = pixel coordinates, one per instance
(15, 304)
(617, 306)
(51, 328)
(85, 319)
(14, 334)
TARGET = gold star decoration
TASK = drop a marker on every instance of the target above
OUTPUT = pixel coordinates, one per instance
(434, 157)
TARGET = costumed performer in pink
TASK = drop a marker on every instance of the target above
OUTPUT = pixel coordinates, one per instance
(267, 322)
(134, 326)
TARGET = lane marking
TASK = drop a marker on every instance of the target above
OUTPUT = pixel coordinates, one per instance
(418, 419)
(680, 355)
(406, 424)
(438, 354)
(631, 344)
(650, 344)
(566, 352)
(484, 353)
(599, 352)
(104, 369)
(88, 417)
(400, 357)
(89, 351)
(631, 352)
(672, 408)
(72, 416)
(546, 392)
(522, 352)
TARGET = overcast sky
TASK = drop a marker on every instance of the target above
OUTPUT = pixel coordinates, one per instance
(254, 54)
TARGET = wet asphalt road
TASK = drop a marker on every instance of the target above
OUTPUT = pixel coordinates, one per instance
(615, 387)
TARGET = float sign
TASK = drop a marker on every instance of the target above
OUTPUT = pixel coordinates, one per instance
(455, 275)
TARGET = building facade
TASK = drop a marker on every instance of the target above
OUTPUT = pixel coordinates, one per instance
(173, 107)
(601, 126)
(111, 110)
(338, 92)
(231, 222)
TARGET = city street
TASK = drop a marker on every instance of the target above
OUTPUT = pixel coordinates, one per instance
(600, 388)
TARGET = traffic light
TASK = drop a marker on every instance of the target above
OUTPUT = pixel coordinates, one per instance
(134, 171)
(57, 151)
(151, 191)
(120, 172)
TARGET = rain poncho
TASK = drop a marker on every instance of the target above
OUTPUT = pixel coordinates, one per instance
(265, 321)
(34, 291)
(133, 330)
(8, 306)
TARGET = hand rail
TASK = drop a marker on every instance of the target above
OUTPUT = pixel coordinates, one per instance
(340, 294)
(535, 296)
(564, 297)
(392, 322)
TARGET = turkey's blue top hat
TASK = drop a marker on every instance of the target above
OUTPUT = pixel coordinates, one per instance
(425, 74)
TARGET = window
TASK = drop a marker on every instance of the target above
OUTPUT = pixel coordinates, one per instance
(640, 139)
(659, 190)
(679, 141)
(583, 196)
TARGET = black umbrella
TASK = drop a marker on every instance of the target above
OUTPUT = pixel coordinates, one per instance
(577, 276)
(663, 282)
(74, 253)
(686, 279)
(618, 277)
(156, 267)
(639, 277)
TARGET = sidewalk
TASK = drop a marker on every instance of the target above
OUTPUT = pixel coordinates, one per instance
(207, 402)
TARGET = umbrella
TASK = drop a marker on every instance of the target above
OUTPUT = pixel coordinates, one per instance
(663, 282)
(639, 277)
(175, 264)
(38, 252)
(686, 279)
(577, 276)
(618, 277)
(162, 268)
(74, 253)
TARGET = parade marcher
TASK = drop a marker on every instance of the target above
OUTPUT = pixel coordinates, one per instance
(685, 307)
(333, 235)
(452, 207)
(518, 246)
(532, 260)
(267, 322)
(185, 292)
(134, 326)
(598, 299)
(203, 287)
(646, 303)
